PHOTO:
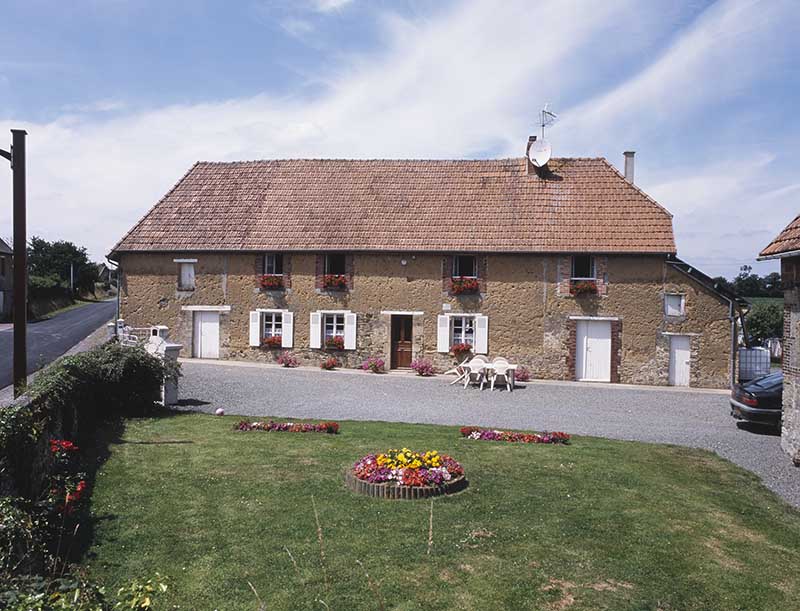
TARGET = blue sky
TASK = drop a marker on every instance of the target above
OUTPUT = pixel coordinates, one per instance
(120, 97)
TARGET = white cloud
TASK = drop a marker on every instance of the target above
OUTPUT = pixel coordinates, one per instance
(299, 28)
(326, 6)
(457, 85)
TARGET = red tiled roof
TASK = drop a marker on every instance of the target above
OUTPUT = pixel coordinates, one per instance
(403, 205)
(787, 241)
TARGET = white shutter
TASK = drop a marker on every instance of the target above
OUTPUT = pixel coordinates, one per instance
(315, 331)
(481, 334)
(443, 334)
(350, 331)
(287, 337)
(255, 328)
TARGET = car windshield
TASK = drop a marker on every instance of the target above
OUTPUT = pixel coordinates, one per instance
(768, 381)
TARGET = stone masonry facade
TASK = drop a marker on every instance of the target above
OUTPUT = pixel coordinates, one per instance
(531, 313)
(790, 433)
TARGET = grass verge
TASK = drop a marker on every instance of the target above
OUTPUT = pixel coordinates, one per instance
(598, 524)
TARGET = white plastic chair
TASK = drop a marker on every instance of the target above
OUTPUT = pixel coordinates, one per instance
(500, 370)
(460, 370)
(500, 359)
(476, 372)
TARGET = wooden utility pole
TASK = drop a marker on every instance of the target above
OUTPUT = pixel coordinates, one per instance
(17, 158)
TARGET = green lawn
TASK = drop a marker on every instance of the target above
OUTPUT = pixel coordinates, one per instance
(767, 300)
(595, 525)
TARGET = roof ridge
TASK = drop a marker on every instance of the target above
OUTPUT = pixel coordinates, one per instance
(392, 160)
(778, 239)
(153, 207)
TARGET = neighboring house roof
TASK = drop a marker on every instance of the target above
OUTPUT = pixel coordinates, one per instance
(583, 205)
(787, 242)
(5, 248)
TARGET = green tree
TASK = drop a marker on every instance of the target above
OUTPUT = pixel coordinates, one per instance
(765, 320)
(49, 265)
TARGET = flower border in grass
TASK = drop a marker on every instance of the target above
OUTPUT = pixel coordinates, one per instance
(332, 428)
(478, 433)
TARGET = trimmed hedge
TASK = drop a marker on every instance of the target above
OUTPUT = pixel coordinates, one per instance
(67, 401)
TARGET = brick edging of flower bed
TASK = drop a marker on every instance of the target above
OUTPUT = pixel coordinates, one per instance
(385, 490)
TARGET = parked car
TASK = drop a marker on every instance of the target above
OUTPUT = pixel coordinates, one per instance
(759, 400)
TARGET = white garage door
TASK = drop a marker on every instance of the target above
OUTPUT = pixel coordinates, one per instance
(593, 351)
(206, 335)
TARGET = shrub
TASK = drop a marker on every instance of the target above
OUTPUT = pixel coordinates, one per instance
(329, 363)
(765, 320)
(375, 364)
(522, 374)
(287, 359)
(423, 367)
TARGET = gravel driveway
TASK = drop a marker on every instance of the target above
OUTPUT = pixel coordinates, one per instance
(693, 418)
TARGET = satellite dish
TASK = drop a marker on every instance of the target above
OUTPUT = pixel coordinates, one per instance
(539, 153)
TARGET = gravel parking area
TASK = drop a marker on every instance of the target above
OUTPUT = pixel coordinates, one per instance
(691, 418)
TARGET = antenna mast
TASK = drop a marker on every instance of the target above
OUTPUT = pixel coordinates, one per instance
(547, 118)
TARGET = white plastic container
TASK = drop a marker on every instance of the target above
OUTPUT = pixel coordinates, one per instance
(753, 363)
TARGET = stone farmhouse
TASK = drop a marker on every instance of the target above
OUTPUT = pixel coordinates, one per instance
(786, 247)
(569, 269)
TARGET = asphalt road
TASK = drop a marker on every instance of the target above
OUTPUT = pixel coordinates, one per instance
(49, 339)
(699, 419)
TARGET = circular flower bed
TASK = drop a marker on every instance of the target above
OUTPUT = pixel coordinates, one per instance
(406, 474)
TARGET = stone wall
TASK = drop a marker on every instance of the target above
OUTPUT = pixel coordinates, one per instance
(790, 433)
(522, 295)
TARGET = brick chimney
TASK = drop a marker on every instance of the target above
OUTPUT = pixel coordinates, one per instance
(629, 165)
(531, 167)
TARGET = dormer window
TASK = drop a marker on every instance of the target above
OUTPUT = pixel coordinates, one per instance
(583, 267)
(335, 265)
(273, 264)
(465, 266)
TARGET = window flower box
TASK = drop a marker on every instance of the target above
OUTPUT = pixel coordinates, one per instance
(336, 282)
(272, 342)
(582, 287)
(271, 282)
(335, 343)
(461, 351)
(465, 286)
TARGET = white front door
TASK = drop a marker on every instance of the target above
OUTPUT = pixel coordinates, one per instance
(593, 351)
(679, 360)
(206, 335)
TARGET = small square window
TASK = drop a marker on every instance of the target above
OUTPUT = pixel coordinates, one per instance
(273, 264)
(186, 276)
(583, 267)
(674, 305)
(335, 265)
(465, 266)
